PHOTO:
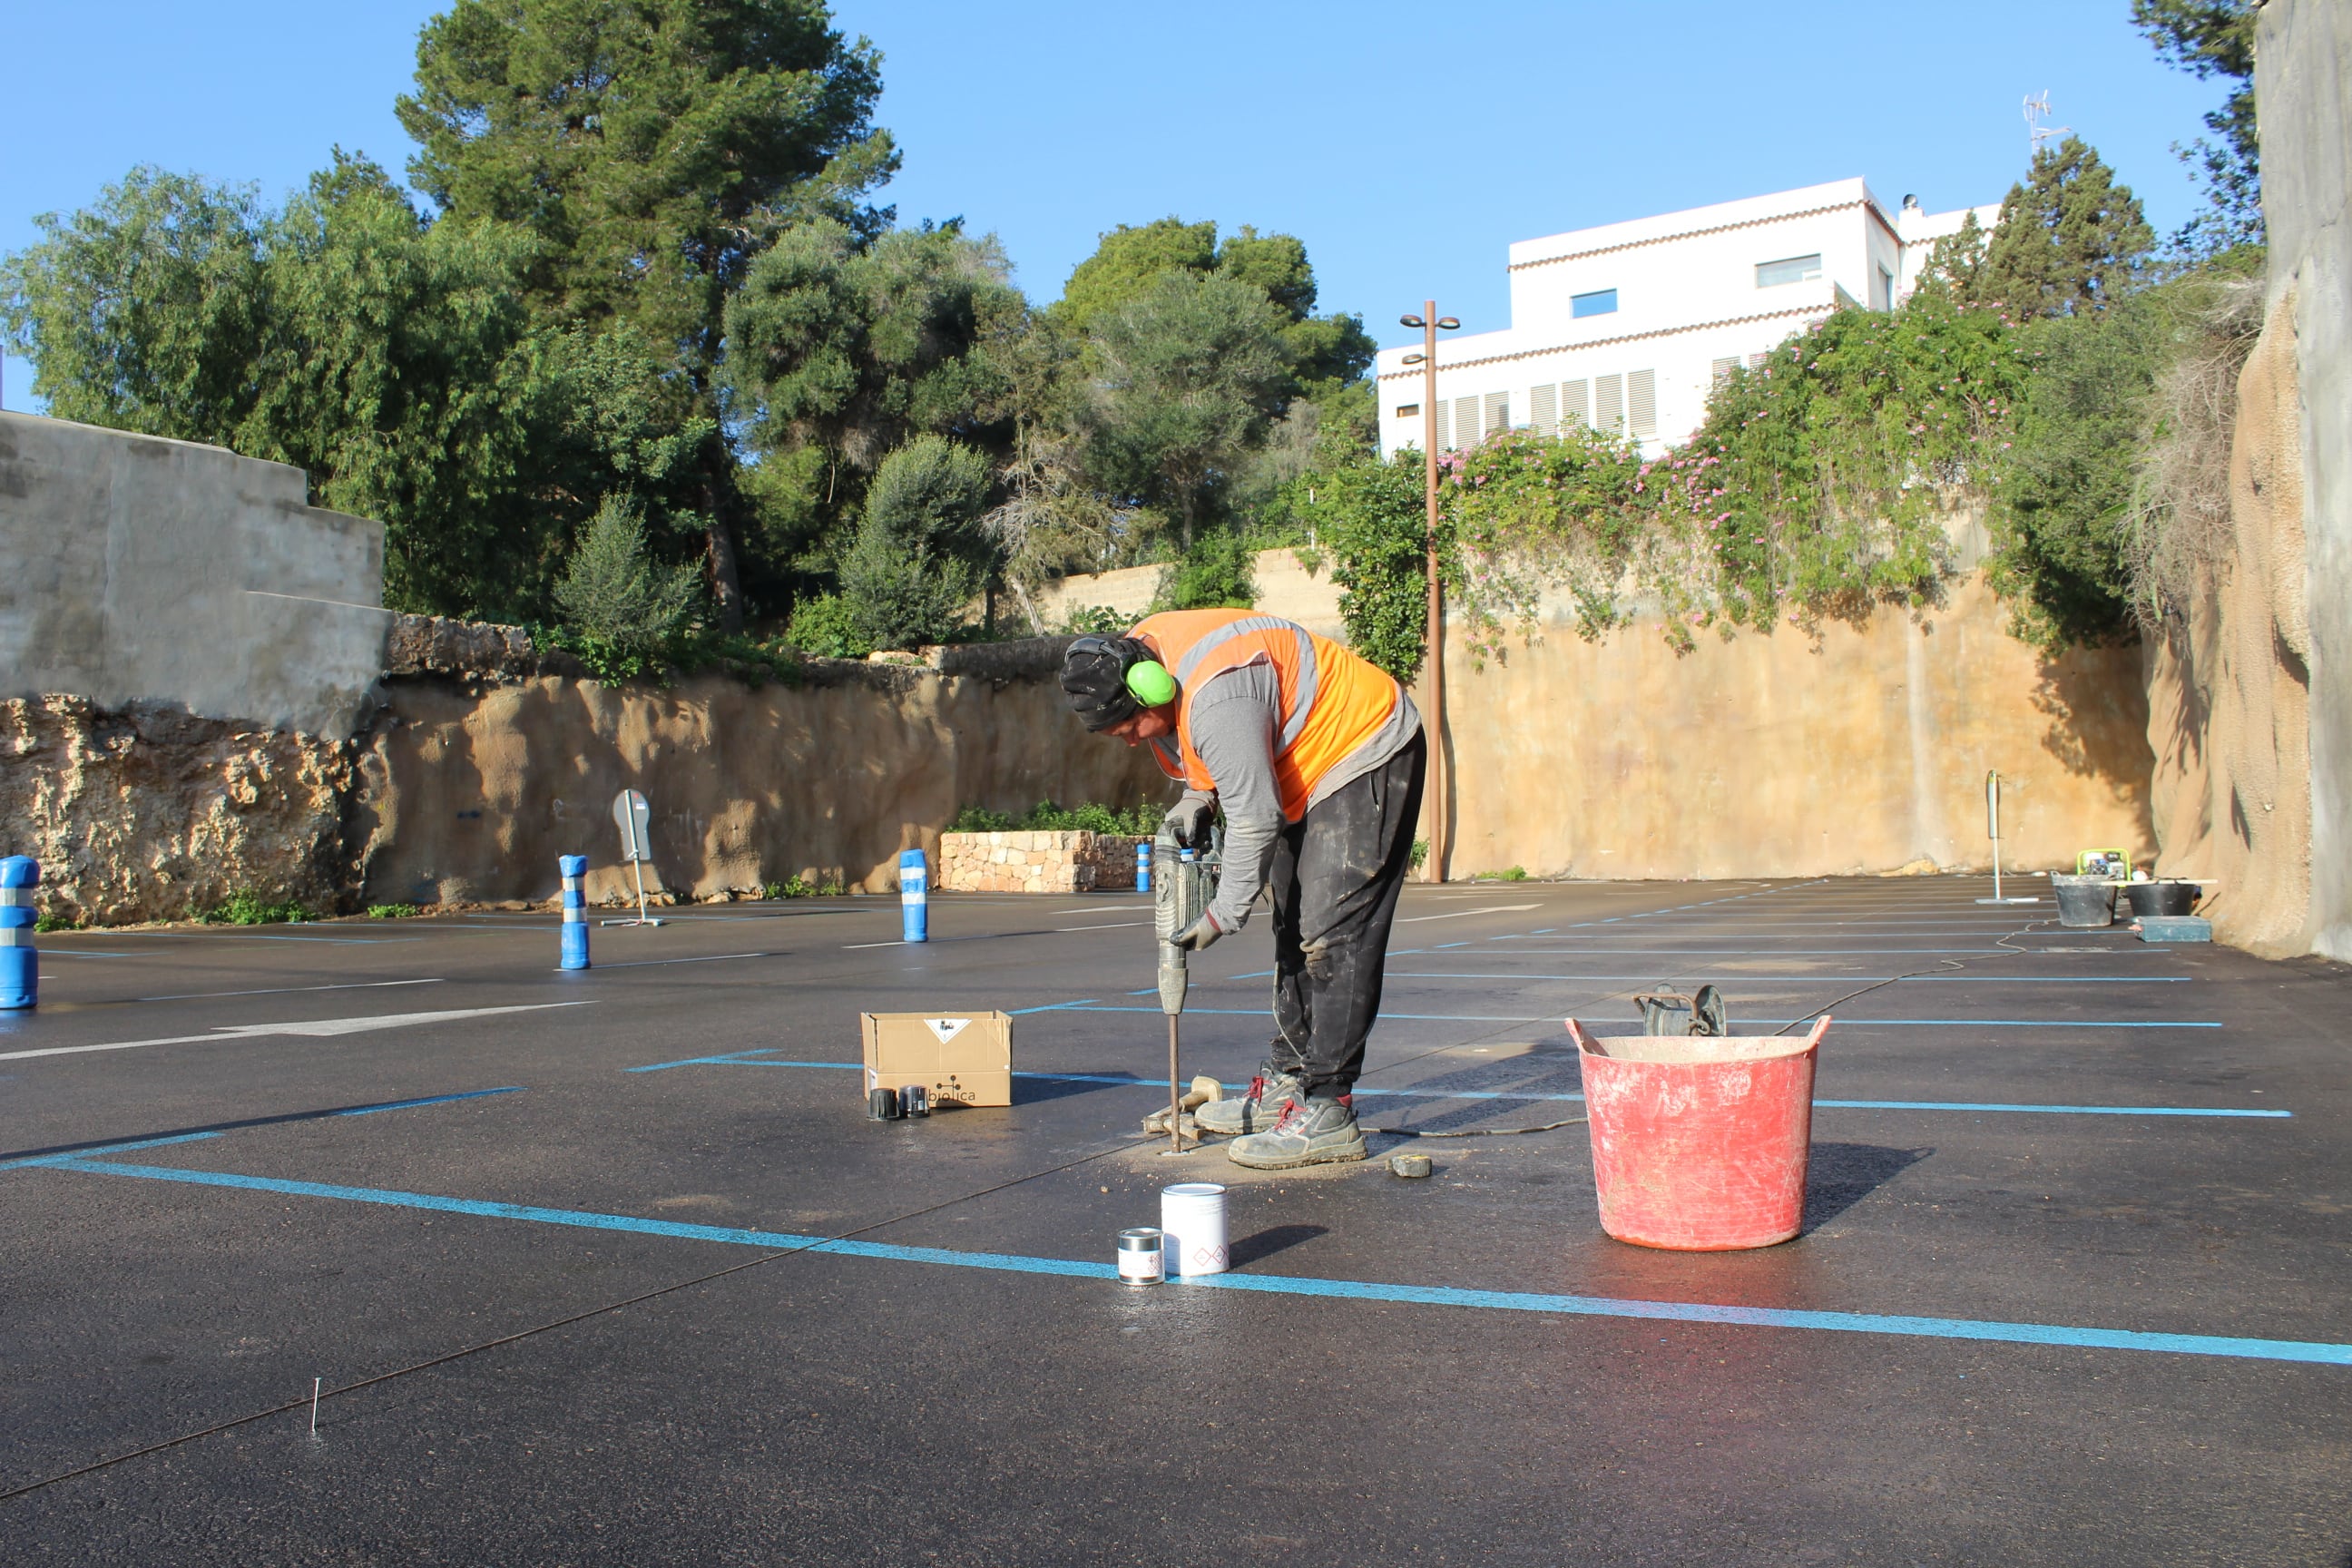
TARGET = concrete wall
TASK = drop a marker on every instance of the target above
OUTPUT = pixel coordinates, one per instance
(471, 795)
(1768, 756)
(136, 569)
(1284, 588)
(2303, 71)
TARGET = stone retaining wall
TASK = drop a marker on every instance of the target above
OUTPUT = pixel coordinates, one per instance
(1072, 862)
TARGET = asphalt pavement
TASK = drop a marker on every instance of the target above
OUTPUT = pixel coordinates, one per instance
(611, 1268)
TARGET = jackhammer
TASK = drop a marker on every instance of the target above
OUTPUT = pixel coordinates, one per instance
(1184, 881)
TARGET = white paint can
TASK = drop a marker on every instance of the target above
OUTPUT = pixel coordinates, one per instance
(1142, 1258)
(1194, 1215)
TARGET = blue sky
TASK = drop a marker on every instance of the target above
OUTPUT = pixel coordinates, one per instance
(1407, 144)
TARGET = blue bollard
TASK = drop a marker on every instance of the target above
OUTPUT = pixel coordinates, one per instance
(575, 911)
(915, 895)
(20, 962)
(1143, 867)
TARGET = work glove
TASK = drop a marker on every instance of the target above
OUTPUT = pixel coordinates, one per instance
(1200, 934)
(1189, 821)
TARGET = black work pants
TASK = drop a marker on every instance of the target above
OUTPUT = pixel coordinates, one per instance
(1335, 876)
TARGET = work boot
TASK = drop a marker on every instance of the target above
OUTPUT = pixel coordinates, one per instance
(1311, 1133)
(1255, 1112)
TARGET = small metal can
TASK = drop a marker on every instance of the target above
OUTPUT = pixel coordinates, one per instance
(1408, 1162)
(882, 1105)
(1143, 1254)
(914, 1099)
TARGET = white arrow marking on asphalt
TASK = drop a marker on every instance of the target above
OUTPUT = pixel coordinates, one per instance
(1457, 914)
(320, 1029)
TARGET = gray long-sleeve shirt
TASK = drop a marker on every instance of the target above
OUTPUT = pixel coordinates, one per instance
(1235, 717)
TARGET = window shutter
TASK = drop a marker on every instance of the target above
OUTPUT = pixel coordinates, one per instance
(1445, 425)
(1575, 401)
(1642, 401)
(1465, 422)
(1723, 369)
(1543, 408)
(1498, 413)
(1755, 361)
(1609, 403)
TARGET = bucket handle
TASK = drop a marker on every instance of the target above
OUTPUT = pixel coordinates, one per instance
(1821, 1028)
(1584, 1042)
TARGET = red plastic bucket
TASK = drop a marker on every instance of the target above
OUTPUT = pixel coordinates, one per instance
(1700, 1143)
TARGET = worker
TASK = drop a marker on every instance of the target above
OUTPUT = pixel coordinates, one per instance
(1314, 757)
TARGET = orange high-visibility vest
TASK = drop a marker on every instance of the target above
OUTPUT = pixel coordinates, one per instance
(1332, 700)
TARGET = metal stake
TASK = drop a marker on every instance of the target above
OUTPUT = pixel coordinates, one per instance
(1175, 1095)
(314, 1408)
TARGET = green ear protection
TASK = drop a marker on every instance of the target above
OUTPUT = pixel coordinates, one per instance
(1149, 682)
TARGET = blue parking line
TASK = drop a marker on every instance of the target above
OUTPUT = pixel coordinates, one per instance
(1130, 1080)
(1783, 981)
(2316, 1351)
(1842, 1020)
(728, 1059)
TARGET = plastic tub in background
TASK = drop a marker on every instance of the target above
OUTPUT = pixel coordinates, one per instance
(2085, 900)
(1699, 1144)
(2162, 898)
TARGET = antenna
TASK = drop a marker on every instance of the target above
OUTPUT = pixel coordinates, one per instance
(2037, 110)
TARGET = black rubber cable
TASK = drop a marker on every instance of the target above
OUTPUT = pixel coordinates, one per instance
(558, 1323)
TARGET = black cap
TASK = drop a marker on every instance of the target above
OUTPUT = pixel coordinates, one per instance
(1094, 679)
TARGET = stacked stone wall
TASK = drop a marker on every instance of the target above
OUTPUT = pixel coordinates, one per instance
(1071, 862)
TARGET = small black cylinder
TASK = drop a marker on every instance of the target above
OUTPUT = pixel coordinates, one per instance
(914, 1099)
(882, 1105)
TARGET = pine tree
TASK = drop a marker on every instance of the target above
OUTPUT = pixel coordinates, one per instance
(2070, 238)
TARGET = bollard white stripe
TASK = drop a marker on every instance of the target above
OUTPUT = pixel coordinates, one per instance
(16, 898)
(16, 936)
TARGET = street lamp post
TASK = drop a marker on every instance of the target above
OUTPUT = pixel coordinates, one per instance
(1440, 803)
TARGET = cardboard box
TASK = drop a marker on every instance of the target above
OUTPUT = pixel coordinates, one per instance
(961, 1059)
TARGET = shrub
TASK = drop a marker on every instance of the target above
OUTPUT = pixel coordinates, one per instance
(1141, 820)
(797, 887)
(825, 625)
(613, 592)
(247, 908)
(393, 911)
(1092, 620)
(1214, 574)
(49, 922)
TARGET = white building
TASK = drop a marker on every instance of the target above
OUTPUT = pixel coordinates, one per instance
(1627, 326)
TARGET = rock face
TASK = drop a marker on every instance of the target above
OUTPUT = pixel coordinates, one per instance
(145, 813)
(471, 796)
(1071, 862)
(2229, 684)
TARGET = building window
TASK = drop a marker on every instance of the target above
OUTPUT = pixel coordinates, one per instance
(1543, 408)
(1793, 269)
(1465, 423)
(1602, 301)
(1575, 403)
(1609, 403)
(1444, 425)
(1723, 369)
(1499, 413)
(1642, 402)
(1407, 410)
(1886, 301)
